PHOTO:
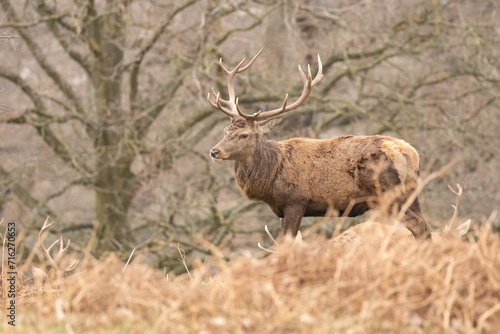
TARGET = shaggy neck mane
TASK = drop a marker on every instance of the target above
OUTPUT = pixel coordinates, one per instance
(256, 176)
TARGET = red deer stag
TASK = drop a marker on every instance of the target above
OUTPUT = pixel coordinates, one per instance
(306, 177)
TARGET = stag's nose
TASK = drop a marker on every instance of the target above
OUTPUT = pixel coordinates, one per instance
(214, 153)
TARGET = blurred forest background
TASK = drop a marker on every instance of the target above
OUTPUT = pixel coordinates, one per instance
(104, 118)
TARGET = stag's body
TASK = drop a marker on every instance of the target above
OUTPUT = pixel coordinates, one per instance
(306, 177)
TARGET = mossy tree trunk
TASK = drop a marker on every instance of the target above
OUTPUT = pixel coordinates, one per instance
(115, 184)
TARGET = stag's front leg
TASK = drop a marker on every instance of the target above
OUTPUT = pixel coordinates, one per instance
(290, 223)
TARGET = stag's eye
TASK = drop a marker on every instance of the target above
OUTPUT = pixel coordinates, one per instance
(244, 136)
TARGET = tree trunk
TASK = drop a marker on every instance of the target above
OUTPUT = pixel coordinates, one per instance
(115, 185)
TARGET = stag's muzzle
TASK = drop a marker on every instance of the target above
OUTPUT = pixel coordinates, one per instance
(214, 154)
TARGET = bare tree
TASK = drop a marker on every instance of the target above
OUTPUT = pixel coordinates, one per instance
(111, 118)
(111, 109)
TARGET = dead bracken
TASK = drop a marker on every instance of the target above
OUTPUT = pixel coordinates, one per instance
(423, 287)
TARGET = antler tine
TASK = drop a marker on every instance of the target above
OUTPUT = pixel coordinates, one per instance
(210, 100)
(62, 248)
(459, 191)
(284, 103)
(458, 194)
(238, 68)
(309, 75)
(71, 266)
(235, 70)
(308, 84)
(271, 237)
(319, 76)
(231, 109)
(242, 114)
(46, 225)
(46, 251)
(230, 83)
(244, 68)
(219, 99)
(217, 103)
(265, 249)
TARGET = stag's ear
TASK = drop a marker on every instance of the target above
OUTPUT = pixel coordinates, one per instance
(269, 124)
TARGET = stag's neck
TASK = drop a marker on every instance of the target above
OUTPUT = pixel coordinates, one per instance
(255, 176)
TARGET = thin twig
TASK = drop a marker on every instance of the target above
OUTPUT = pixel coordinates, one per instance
(182, 253)
(128, 261)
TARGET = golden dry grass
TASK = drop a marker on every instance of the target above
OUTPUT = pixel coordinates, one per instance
(451, 287)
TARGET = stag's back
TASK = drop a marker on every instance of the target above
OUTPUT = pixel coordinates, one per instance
(374, 236)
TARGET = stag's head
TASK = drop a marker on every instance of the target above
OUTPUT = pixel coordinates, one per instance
(241, 137)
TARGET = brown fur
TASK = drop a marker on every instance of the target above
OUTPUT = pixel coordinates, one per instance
(373, 236)
(306, 177)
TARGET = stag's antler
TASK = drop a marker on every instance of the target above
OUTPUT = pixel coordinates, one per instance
(298, 240)
(231, 107)
(270, 237)
(458, 194)
(55, 262)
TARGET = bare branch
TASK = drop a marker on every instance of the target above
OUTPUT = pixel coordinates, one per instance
(80, 181)
(8, 37)
(257, 21)
(25, 87)
(36, 206)
(136, 64)
(61, 150)
(41, 59)
(42, 124)
(79, 58)
(155, 106)
(17, 24)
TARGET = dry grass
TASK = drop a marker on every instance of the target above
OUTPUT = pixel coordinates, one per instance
(419, 288)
